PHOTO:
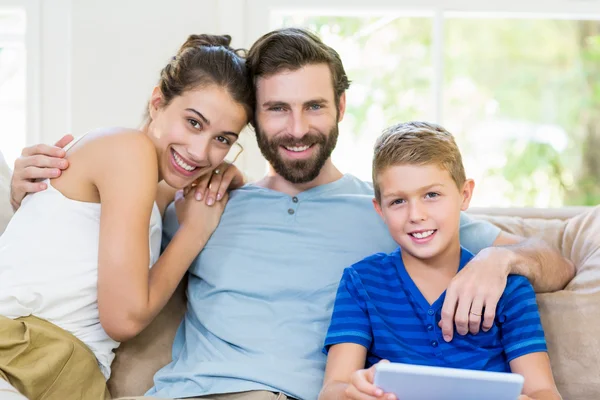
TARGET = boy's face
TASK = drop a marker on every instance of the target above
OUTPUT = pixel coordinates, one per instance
(421, 206)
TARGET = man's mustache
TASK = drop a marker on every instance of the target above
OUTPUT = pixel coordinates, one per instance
(306, 140)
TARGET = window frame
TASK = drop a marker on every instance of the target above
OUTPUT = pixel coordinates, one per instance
(263, 14)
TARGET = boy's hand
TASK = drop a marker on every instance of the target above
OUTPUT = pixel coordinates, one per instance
(361, 386)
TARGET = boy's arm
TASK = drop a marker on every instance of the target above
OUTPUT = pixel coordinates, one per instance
(523, 340)
(343, 360)
(348, 338)
(539, 382)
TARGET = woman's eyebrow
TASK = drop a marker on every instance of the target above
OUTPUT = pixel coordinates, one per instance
(199, 114)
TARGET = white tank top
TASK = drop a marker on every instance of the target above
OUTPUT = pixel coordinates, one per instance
(49, 266)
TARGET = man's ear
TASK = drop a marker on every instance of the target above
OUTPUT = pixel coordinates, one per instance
(342, 107)
(155, 103)
(467, 194)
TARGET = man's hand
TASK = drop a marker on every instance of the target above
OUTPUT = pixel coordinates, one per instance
(474, 293)
(36, 163)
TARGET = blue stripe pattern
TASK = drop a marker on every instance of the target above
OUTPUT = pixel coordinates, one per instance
(378, 306)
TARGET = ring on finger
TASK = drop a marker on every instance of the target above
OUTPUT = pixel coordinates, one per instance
(471, 312)
(217, 171)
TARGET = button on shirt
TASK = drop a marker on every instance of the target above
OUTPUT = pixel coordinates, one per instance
(379, 307)
(261, 293)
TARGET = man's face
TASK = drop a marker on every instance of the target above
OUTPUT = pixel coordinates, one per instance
(297, 121)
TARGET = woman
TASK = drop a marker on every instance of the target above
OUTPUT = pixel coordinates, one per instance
(74, 277)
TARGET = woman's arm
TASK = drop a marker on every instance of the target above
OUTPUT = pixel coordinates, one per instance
(165, 195)
(129, 294)
(539, 382)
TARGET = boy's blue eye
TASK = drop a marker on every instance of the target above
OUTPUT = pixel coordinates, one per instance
(315, 107)
(432, 195)
(398, 201)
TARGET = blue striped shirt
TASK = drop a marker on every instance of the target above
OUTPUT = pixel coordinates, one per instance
(379, 307)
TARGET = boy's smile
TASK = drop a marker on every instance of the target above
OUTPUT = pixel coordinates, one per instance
(423, 235)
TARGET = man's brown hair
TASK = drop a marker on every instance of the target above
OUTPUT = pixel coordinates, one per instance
(417, 143)
(292, 49)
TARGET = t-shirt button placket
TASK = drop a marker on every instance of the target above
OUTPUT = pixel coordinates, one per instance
(293, 207)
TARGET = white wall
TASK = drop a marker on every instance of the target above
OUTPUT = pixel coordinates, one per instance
(101, 59)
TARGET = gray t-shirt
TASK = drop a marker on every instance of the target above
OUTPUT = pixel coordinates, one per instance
(260, 294)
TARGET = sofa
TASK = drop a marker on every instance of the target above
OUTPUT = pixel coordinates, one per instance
(571, 317)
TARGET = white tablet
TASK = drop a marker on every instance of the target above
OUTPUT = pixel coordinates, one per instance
(416, 382)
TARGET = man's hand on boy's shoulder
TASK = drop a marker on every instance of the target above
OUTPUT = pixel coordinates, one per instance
(37, 162)
(473, 294)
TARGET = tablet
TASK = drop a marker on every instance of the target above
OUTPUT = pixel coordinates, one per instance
(416, 382)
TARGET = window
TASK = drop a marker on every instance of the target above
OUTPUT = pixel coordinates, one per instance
(12, 83)
(521, 94)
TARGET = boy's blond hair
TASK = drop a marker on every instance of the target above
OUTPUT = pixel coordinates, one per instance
(417, 143)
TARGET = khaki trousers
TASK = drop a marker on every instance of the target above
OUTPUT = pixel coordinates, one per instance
(45, 362)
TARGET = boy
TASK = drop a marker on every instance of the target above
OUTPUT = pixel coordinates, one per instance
(388, 305)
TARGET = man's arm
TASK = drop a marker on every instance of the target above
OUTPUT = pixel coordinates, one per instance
(37, 162)
(475, 291)
(544, 266)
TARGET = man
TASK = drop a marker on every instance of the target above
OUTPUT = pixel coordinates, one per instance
(261, 292)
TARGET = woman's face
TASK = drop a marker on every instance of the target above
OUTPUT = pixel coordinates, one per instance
(194, 132)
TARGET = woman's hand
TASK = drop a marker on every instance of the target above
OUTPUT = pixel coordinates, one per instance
(214, 186)
(197, 217)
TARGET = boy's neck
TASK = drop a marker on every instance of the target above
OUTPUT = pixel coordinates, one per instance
(433, 275)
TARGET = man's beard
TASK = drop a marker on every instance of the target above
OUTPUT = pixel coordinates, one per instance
(298, 171)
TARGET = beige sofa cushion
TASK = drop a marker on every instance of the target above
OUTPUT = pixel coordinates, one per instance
(5, 207)
(570, 317)
(139, 359)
